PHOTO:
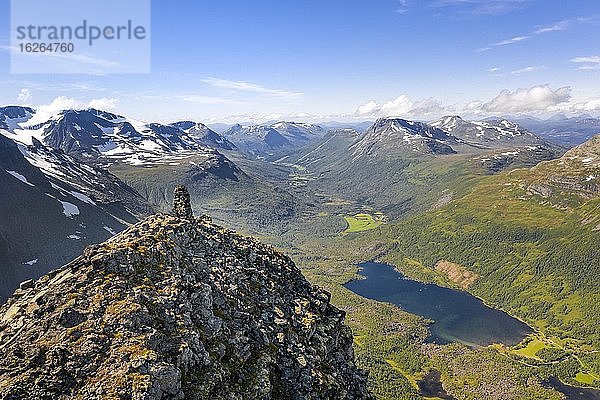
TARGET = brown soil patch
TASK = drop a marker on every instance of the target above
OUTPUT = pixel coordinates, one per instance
(456, 273)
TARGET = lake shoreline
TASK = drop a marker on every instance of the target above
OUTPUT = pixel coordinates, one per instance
(399, 270)
(457, 315)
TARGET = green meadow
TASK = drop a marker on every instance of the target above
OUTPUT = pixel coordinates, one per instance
(363, 222)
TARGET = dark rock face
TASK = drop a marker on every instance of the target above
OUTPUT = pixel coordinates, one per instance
(176, 308)
(77, 133)
(181, 203)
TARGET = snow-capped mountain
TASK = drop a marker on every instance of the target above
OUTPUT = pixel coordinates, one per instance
(98, 136)
(149, 157)
(487, 134)
(501, 143)
(58, 193)
(58, 203)
(202, 134)
(261, 140)
(388, 135)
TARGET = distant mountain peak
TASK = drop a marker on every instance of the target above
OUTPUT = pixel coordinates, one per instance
(391, 135)
(200, 133)
(491, 133)
(15, 111)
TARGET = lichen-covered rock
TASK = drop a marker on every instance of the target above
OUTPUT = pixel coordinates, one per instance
(176, 308)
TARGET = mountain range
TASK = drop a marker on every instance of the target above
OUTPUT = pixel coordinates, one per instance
(95, 135)
(234, 168)
(502, 203)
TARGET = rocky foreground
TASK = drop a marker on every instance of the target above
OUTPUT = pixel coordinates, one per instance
(176, 308)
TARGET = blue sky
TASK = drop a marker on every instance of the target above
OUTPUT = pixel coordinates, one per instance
(343, 59)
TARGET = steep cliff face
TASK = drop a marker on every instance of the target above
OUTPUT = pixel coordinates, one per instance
(172, 308)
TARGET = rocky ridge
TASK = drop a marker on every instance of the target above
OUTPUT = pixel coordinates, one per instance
(577, 173)
(176, 307)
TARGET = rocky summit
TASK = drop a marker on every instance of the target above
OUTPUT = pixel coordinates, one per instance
(176, 307)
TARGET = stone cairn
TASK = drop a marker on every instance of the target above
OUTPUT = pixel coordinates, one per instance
(181, 203)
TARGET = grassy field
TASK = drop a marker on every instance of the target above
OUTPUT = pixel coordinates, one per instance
(532, 348)
(585, 378)
(363, 222)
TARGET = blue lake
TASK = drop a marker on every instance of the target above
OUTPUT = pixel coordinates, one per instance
(457, 315)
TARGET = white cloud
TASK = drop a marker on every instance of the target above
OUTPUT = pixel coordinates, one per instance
(401, 106)
(591, 59)
(104, 103)
(512, 40)
(249, 87)
(368, 108)
(300, 115)
(24, 95)
(428, 108)
(590, 62)
(577, 106)
(493, 69)
(527, 69)
(46, 111)
(539, 98)
(590, 105)
(473, 107)
(559, 26)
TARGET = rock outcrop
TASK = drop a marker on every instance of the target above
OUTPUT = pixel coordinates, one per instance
(176, 308)
(575, 175)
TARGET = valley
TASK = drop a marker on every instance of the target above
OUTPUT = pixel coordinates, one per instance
(483, 207)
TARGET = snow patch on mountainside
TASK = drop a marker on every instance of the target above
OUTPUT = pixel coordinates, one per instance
(69, 209)
(20, 177)
(82, 197)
